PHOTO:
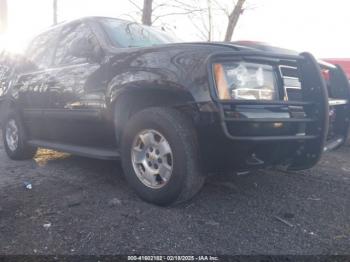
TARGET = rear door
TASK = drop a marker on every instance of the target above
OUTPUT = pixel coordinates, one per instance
(30, 86)
(4, 80)
(4, 73)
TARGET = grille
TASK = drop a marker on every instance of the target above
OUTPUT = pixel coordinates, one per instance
(291, 83)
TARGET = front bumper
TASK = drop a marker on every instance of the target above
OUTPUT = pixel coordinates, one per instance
(303, 125)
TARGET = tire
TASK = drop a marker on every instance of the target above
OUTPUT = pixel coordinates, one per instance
(19, 150)
(169, 125)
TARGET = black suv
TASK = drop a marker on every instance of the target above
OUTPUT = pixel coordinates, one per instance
(108, 88)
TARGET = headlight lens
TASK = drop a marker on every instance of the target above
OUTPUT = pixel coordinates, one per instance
(245, 81)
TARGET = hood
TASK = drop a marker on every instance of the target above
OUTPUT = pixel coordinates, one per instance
(265, 47)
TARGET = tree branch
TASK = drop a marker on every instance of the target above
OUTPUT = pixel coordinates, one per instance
(233, 19)
(175, 13)
(136, 5)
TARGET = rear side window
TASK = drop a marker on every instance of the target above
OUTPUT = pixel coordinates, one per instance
(40, 51)
(68, 35)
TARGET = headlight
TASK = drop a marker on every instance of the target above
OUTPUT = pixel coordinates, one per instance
(245, 81)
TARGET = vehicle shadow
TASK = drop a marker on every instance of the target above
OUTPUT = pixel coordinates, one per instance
(93, 172)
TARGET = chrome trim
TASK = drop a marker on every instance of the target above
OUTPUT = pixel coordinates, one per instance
(285, 88)
(337, 102)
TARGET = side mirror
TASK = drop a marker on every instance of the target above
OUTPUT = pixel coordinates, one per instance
(84, 48)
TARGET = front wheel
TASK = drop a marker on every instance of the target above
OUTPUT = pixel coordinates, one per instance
(160, 156)
(15, 139)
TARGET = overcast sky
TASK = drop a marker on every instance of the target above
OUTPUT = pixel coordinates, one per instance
(320, 27)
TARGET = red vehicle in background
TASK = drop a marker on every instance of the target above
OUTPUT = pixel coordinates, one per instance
(343, 62)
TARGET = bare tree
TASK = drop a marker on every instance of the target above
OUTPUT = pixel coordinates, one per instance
(154, 10)
(3, 16)
(203, 20)
(209, 21)
(206, 16)
(147, 12)
(54, 12)
(233, 19)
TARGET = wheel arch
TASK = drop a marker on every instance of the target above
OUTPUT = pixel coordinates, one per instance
(6, 106)
(132, 98)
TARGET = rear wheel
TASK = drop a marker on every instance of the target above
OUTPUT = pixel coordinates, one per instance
(15, 139)
(160, 156)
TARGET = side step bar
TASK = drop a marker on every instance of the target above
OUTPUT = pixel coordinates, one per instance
(91, 152)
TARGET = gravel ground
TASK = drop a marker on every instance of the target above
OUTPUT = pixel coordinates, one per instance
(84, 206)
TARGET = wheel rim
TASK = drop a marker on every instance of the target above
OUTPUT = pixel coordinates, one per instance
(152, 158)
(12, 135)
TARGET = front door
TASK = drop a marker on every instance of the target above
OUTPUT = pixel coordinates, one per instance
(77, 93)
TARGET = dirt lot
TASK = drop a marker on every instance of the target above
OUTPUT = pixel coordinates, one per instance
(84, 206)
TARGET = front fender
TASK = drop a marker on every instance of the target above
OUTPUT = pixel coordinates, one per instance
(177, 68)
(142, 81)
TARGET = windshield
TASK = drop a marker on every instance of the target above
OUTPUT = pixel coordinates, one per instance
(130, 34)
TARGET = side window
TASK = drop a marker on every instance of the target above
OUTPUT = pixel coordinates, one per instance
(68, 35)
(40, 51)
